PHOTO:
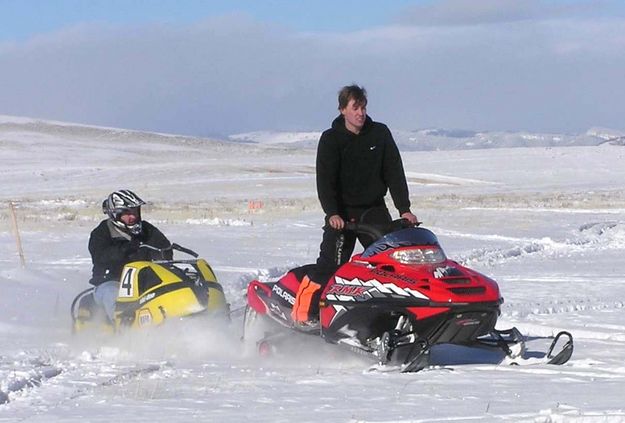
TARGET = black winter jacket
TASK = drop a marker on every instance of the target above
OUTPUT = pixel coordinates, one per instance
(111, 249)
(355, 170)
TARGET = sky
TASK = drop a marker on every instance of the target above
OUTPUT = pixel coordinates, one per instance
(214, 68)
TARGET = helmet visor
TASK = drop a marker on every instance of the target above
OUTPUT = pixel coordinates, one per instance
(128, 215)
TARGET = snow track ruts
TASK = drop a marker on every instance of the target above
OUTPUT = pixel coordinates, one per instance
(20, 374)
(596, 235)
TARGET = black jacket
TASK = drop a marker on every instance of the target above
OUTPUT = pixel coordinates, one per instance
(355, 170)
(111, 249)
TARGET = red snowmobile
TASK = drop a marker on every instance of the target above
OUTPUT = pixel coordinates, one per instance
(395, 301)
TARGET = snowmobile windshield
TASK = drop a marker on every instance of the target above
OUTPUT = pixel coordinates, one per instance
(409, 237)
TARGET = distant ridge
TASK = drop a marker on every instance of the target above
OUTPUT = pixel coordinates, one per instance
(430, 139)
(433, 139)
(78, 130)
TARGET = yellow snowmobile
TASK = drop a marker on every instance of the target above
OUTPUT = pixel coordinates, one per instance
(151, 292)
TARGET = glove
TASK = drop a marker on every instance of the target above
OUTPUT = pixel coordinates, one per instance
(133, 245)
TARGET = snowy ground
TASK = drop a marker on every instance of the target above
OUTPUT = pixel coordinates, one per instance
(547, 223)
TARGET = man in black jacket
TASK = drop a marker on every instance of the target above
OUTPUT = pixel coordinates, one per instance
(357, 163)
(117, 241)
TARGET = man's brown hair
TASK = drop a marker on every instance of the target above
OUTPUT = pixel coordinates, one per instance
(348, 92)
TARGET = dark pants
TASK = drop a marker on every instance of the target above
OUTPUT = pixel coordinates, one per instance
(337, 246)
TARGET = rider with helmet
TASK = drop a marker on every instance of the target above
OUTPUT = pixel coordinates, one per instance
(117, 241)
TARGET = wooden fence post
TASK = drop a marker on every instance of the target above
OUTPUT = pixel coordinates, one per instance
(18, 240)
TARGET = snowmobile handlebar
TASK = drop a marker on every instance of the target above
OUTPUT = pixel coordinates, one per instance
(172, 246)
(378, 231)
(184, 250)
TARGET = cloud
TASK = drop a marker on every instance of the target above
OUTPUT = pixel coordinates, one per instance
(234, 74)
(471, 12)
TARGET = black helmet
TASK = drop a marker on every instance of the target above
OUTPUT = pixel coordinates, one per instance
(117, 203)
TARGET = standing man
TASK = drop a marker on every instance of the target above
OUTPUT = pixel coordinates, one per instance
(357, 163)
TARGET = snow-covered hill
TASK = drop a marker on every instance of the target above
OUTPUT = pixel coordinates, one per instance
(439, 139)
(416, 140)
(445, 139)
(42, 129)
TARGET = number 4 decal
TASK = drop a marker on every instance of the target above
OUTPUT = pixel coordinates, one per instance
(126, 289)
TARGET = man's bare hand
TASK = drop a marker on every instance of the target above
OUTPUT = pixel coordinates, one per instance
(336, 222)
(410, 218)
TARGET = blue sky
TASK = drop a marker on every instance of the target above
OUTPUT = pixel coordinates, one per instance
(23, 18)
(223, 67)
